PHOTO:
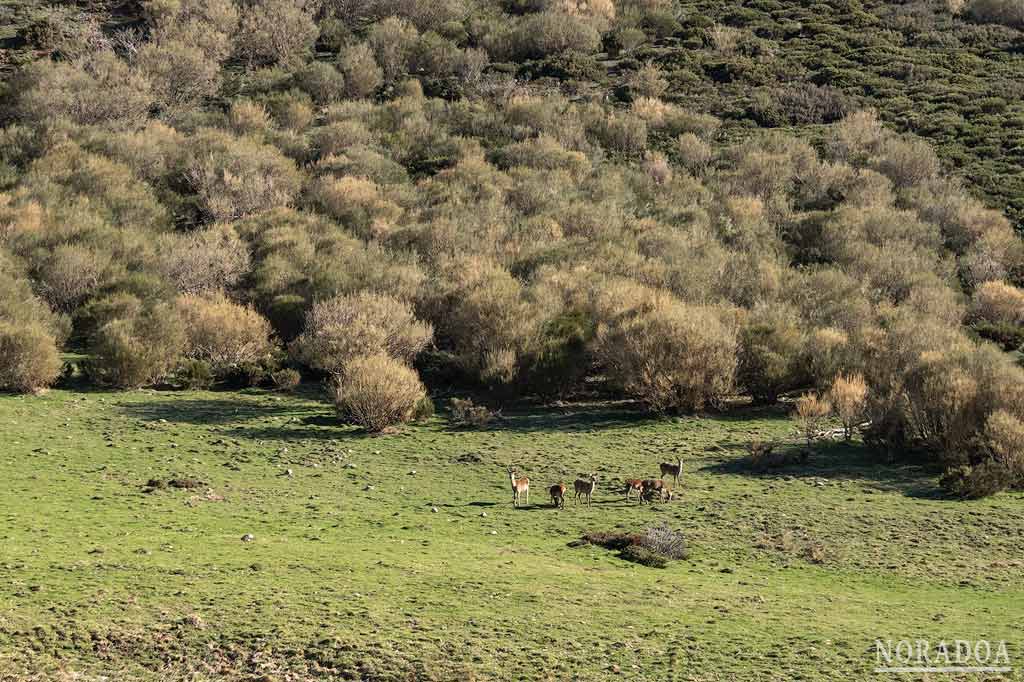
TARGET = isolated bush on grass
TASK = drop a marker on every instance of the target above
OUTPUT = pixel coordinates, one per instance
(467, 413)
(377, 391)
(848, 397)
(29, 359)
(811, 415)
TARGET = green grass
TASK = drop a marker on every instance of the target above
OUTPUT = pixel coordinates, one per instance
(792, 575)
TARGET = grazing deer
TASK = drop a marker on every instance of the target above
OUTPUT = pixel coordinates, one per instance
(557, 492)
(673, 470)
(633, 485)
(650, 487)
(520, 487)
(585, 488)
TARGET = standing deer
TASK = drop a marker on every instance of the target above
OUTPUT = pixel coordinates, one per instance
(650, 487)
(673, 470)
(520, 487)
(557, 492)
(585, 488)
(633, 485)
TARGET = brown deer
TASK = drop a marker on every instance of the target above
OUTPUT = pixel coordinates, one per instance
(651, 487)
(557, 492)
(633, 485)
(674, 470)
(585, 488)
(520, 487)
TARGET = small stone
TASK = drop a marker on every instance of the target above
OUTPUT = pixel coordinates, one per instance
(289, 473)
(412, 473)
(434, 509)
(615, 669)
(248, 537)
(483, 514)
(494, 532)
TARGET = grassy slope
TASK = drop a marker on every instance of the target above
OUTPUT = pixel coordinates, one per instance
(97, 575)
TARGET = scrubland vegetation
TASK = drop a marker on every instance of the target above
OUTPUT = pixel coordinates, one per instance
(685, 206)
(354, 191)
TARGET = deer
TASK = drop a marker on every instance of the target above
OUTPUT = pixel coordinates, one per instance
(520, 487)
(652, 486)
(585, 488)
(557, 492)
(674, 470)
(633, 485)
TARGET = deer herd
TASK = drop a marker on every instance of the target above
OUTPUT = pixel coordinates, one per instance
(645, 489)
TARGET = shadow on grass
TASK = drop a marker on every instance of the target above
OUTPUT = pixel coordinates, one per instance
(845, 462)
(570, 418)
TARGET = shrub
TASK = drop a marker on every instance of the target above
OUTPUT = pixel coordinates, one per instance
(673, 357)
(770, 356)
(664, 541)
(286, 379)
(392, 41)
(466, 413)
(203, 261)
(194, 374)
(235, 176)
(811, 415)
(69, 274)
(848, 397)
(341, 328)
(139, 349)
(98, 90)
(1005, 12)
(907, 162)
(694, 153)
(360, 70)
(29, 360)
(321, 81)
(223, 334)
(248, 118)
(276, 32)
(538, 35)
(179, 74)
(647, 81)
(998, 463)
(377, 391)
(357, 203)
(997, 303)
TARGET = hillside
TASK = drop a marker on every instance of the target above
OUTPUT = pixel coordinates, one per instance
(309, 308)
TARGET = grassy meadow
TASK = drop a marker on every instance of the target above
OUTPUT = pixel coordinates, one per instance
(400, 557)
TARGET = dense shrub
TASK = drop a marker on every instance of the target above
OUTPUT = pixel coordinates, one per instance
(235, 176)
(276, 32)
(672, 357)
(96, 90)
(344, 327)
(377, 391)
(770, 355)
(29, 360)
(203, 261)
(1006, 12)
(997, 303)
(361, 72)
(223, 334)
(139, 349)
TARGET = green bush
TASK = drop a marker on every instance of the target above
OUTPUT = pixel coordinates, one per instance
(29, 360)
(377, 392)
(139, 349)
